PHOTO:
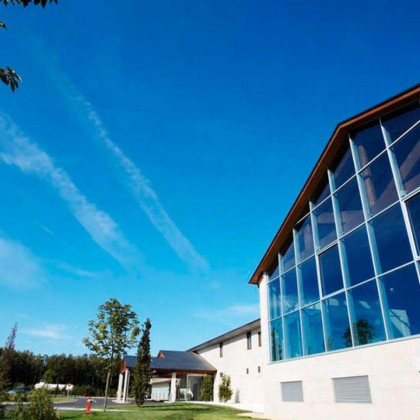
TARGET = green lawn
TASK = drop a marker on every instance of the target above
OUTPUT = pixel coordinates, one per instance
(179, 411)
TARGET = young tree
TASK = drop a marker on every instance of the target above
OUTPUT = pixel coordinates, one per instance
(206, 393)
(6, 360)
(7, 75)
(113, 332)
(142, 371)
(225, 389)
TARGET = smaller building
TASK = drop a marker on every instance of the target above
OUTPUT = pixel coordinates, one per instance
(178, 375)
(238, 353)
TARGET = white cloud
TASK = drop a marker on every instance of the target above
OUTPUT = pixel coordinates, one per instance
(52, 331)
(139, 185)
(19, 267)
(17, 149)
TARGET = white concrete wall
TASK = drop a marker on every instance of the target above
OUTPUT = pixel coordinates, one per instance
(393, 369)
(394, 379)
(247, 387)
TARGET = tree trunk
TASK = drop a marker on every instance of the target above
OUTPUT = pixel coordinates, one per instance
(108, 376)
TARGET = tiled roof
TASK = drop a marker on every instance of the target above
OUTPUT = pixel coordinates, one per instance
(175, 361)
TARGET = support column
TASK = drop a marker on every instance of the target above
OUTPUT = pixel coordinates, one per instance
(173, 387)
(126, 385)
(120, 384)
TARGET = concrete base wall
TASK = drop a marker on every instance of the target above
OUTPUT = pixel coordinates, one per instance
(394, 377)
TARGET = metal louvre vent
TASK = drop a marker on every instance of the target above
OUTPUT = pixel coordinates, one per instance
(292, 391)
(354, 389)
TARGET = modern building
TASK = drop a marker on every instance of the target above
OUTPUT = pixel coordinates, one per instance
(339, 284)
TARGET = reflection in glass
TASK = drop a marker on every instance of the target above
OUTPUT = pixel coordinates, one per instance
(309, 282)
(273, 271)
(407, 154)
(350, 206)
(391, 239)
(292, 335)
(398, 125)
(368, 325)
(344, 170)
(289, 292)
(358, 257)
(369, 143)
(325, 223)
(288, 260)
(312, 329)
(413, 206)
(379, 184)
(402, 297)
(276, 340)
(324, 193)
(337, 322)
(306, 244)
(331, 278)
(274, 298)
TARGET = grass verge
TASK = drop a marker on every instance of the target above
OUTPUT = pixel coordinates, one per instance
(178, 411)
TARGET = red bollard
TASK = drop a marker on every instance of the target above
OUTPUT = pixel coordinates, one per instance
(88, 404)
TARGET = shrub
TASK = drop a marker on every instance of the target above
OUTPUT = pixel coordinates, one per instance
(206, 393)
(20, 410)
(41, 406)
(225, 389)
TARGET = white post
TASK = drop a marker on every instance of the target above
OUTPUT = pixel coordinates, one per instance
(126, 384)
(120, 383)
(173, 387)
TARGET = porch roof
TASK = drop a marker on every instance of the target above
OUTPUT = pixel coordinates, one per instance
(175, 361)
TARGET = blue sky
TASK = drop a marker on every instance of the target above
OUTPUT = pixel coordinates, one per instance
(154, 148)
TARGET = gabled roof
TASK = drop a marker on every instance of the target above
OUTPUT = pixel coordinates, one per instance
(229, 335)
(326, 159)
(179, 361)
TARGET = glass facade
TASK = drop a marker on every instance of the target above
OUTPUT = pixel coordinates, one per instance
(349, 275)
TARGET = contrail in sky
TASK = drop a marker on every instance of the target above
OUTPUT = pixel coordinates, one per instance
(139, 185)
(19, 150)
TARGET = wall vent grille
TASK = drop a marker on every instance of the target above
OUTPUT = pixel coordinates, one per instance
(292, 391)
(354, 389)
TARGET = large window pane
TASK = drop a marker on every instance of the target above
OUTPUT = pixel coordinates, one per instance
(391, 239)
(288, 259)
(312, 327)
(379, 184)
(289, 292)
(350, 206)
(344, 170)
(337, 322)
(402, 298)
(306, 244)
(407, 154)
(309, 282)
(368, 324)
(369, 143)
(292, 335)
(276, 340)
(274, 298)
(398, 125)
(358, 258)
(325, 223)
(413, 206)
(331, 277)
